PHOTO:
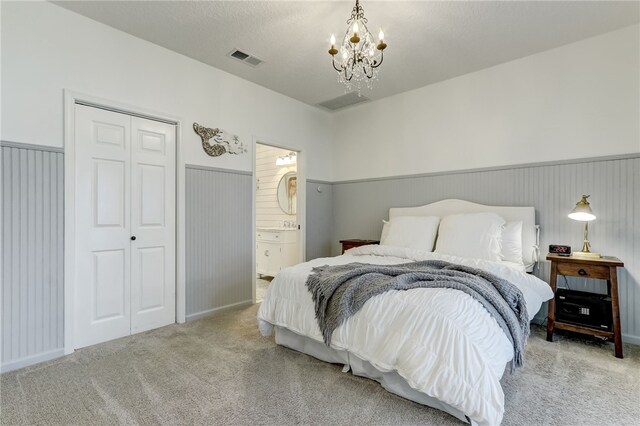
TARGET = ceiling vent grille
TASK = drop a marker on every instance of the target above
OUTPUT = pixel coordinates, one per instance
(245, 58)
(349, 99)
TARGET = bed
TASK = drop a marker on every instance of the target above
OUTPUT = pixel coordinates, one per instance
(438, 347)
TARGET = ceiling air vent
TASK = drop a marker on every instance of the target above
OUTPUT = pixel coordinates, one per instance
(245, 57)
(350, 98)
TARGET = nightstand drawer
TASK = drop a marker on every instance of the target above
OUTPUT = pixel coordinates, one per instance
(582, 270)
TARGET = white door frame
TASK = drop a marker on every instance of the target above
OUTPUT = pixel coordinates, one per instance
(71, 98)
(301, 203)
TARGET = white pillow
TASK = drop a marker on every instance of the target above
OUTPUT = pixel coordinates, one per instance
(414, 232)
(475, 236)
(385, 232)
(512, 242)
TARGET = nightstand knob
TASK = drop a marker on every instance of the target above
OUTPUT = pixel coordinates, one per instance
(582, 272)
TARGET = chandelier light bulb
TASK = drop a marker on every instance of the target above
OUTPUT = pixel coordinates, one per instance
(380, 35)
(333, 40)
(355, 27)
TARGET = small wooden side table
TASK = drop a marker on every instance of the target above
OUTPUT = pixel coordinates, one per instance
(604, 268)
(349, 244)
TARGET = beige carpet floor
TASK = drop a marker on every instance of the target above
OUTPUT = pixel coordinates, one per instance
(220, 371)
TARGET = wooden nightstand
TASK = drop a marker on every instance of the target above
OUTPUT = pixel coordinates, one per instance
(604, 268)
(349, 244)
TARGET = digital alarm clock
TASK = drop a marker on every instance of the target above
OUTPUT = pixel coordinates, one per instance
(560, 250)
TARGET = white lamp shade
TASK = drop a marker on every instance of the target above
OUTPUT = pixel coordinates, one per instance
(582, 211)
(582, 216)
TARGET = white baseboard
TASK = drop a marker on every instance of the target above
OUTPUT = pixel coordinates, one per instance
(538, 319)
(30, 360)
(630, 338)
(216, 311)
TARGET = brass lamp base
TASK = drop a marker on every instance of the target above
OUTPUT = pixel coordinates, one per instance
(586, 246)
(586, 254)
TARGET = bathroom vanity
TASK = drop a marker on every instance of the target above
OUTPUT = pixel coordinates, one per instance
(277, 248)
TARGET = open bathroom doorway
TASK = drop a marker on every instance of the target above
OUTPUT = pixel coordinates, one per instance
(278, 211)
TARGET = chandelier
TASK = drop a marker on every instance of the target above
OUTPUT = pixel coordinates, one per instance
(358, 57)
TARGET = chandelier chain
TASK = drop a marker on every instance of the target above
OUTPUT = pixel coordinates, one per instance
(357, 13)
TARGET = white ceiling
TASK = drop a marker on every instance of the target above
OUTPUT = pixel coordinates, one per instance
(427, 41)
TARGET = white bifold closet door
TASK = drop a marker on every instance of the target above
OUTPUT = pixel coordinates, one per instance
(125, 225)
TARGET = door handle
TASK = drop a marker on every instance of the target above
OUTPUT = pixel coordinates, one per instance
(266, 253)
(133, 238)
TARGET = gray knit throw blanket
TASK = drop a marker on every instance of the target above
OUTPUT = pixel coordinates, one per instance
(341, 291)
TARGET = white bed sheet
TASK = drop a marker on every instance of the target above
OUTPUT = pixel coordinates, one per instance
(441, 341)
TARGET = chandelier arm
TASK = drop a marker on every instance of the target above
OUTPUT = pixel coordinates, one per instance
(365, 63)
(349, 67)
(333, 62)
(364, 70)
(348, 77)
(381, 59)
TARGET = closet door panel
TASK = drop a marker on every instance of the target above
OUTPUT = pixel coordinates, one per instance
(153, 224)
(152, 278)
(103, 181)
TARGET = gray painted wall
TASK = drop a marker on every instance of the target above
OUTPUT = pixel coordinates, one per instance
(614, 185)
(32, 256)
(319, 219)
(218, 246)
(218, 218)
(218, 240)
(218, 251)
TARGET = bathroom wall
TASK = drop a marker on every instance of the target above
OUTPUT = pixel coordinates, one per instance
(268, 175)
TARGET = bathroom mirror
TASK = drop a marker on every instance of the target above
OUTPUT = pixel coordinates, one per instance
(287, 191)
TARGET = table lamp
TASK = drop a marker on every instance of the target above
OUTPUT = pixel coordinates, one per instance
(582, 212)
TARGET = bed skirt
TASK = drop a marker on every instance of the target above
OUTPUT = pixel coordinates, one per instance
(391, 381)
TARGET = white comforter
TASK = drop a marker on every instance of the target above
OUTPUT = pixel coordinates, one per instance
(441, 341)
